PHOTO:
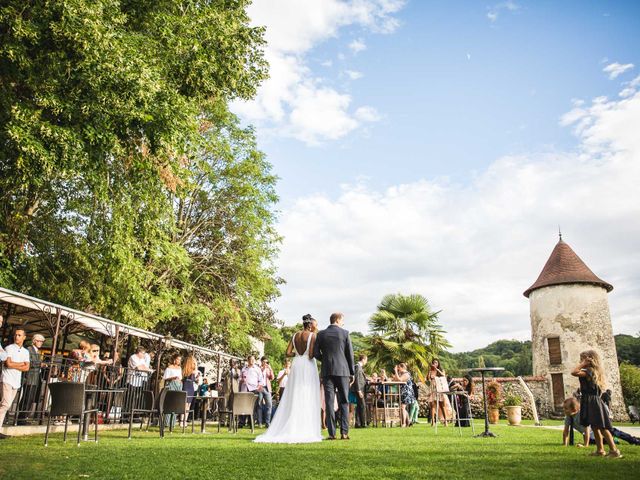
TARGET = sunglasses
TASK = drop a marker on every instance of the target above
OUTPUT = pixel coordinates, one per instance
(95, 351)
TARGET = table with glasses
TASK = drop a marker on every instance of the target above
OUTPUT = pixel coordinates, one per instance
(483, 371)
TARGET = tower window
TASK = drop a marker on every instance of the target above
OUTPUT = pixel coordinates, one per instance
(555, 356)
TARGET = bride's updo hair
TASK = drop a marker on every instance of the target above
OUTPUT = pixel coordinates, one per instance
(307, 320)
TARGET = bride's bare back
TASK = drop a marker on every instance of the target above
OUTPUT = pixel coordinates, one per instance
(299, 343)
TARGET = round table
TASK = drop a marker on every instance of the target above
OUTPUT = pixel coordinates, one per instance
(483, 371)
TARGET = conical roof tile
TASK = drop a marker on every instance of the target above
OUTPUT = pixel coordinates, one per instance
(563, 267)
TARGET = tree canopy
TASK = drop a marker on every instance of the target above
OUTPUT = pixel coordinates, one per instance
(127, 188)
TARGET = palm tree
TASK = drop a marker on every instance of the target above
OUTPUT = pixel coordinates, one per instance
(405, 329)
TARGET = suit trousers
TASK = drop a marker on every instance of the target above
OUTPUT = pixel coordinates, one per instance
(332, 384)
(361, 412)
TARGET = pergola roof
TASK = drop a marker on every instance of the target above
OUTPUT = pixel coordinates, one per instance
(38, 315)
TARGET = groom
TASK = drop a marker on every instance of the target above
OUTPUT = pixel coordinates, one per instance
(333, 348)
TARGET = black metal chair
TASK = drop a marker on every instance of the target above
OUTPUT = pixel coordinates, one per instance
(68, 398)
(147, 406)
(173, 402)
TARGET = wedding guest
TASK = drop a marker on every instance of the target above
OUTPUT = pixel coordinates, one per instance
(138, 372)
(464, 407)
(283, 376)
(252, 381)
(203, 388)
(173, 381)
(414, 409)
(190, 375)
(571, 408)
(3, 352)
(438, 400)
(593, 413)
(31, 386)
(401, 374)
(267, 398)
(95, 356)
(358, 389)
(17, 361)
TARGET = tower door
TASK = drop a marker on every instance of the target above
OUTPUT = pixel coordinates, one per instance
(557, 383)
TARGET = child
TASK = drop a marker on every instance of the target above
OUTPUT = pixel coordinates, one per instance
(592, 411)
(571, 407)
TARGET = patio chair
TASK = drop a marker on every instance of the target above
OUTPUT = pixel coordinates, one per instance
(68, 398)
(173, 402)
(243, 404)
(225, 411)
(148, 406)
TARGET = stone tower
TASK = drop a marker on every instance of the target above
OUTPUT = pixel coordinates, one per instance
(570, 314)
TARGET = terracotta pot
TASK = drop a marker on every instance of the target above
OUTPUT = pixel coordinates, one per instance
(494, 415)
(514, 415)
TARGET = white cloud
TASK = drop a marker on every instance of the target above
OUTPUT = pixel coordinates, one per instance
(367, 114)
(294, 28)
(473, 249)
(353, 75)
(494, 11)
(357, 46)
(616, 69)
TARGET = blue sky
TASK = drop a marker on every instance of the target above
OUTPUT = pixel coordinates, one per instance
(444, 114)
(421, 110)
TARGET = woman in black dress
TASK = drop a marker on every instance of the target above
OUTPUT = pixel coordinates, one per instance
(593, 412)
(464, 410)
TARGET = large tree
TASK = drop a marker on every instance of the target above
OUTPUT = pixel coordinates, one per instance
(405, 329)
(111, 115)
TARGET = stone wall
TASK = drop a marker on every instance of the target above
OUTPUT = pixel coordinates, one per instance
(579, 316)
(539, 386)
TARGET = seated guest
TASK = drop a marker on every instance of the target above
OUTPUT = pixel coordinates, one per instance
(203, 388)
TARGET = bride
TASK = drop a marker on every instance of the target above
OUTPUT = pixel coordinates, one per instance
(297, 419)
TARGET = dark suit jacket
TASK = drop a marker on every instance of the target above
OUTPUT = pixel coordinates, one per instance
(33, 374)
(333, 348)
(360, 380)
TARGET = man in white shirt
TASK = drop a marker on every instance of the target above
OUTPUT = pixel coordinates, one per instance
(17, 361)
(137, 375)
(283, 376)
(253, 382)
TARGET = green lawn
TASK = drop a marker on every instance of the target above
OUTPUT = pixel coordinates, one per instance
(413, 453)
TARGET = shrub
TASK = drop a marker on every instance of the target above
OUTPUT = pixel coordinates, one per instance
(512, 400)
(630, 381)
(494, 394)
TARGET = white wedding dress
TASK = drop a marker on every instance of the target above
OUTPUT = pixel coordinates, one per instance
(297, 418)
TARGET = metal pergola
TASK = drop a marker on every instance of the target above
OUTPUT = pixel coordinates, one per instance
(41, 316)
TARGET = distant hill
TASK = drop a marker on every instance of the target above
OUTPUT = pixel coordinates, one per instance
(515, 356)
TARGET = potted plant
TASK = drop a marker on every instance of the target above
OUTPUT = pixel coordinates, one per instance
(494, 400)
(513, 404)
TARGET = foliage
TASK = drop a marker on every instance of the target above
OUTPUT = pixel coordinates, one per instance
(512, 400)
(628, 348)
(630, 381)
(404, 329)
(513, 355)
(494, 394)
(371, 453)
(126, 186)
